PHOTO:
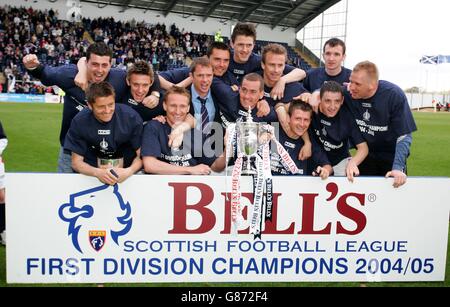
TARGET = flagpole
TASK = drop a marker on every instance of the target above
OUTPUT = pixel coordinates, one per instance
(437, 74)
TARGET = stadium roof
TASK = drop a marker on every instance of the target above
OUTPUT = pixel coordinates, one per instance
(283, 13)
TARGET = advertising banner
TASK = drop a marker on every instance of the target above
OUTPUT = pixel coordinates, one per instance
(69, 228)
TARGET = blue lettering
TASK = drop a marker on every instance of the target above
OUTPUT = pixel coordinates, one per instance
(55, 263)
(106, 266)
(214, 265)
(31, 265)
(72, 263)
(128, 246)
(154, 263)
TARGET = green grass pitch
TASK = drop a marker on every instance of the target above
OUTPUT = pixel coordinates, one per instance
(33, 134)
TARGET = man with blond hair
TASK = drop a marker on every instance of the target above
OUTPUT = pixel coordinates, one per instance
(159, 158)
(385, 120)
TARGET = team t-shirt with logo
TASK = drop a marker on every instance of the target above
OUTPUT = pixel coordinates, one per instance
(334, 133)
(382, 119)
(316, 77)
(155, 143)
(91, 138)
(293, 146)
(239, 70)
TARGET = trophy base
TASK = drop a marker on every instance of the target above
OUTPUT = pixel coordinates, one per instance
(248, 166)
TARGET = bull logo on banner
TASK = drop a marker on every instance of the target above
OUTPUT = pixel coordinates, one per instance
(96, 214)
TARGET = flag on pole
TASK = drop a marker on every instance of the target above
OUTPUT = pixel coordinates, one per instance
(435, 59)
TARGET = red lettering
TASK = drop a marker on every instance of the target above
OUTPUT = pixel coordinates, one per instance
(308, 217)
(208, 218)
(354, 214)
(271, 227)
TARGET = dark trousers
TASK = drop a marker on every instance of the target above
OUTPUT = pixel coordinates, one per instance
(375, 167)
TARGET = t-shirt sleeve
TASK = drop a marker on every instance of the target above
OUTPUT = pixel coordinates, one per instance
(136, 137)
(292, 90)
(402, 121)
(74, 140)
(151, 146)
(288, 69)
(226, 99)
(354, 132)
(307, 81)
(156, 86)
(175, 75)
(61, 76)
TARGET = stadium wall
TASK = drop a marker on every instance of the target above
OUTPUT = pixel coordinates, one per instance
(210, 26)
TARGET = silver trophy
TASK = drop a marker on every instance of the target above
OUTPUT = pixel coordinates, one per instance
(248, 142)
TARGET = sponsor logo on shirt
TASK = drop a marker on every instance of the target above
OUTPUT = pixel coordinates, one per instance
(104, 132)
(133, 102)
(104, 144)
(366, 116)
(289, 144)
(238, 72)
(326, 123)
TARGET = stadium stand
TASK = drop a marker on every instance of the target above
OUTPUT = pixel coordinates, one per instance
(60, 42)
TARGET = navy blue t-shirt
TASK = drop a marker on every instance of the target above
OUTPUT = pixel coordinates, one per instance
(240, 70)
(91, 138)
(270, 118)
(316, 77)
(291, 90)
(230, 106)
(75, 99)
(293, 146)
(382, 119)
(176, 75)
(252, 65)
(334, 133)
(155, 143)
(228, 78)
(145, 113)
(226, 99)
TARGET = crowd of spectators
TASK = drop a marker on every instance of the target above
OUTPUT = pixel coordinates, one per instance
(58, 42)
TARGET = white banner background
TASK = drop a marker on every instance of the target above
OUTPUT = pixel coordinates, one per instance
(39, 249)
